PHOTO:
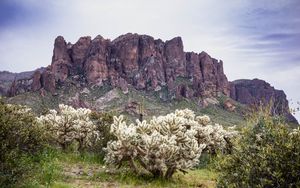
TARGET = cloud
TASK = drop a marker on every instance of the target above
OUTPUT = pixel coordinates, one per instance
(255, 39)
(15, 13)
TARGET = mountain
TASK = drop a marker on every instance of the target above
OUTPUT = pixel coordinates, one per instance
(8, 78)
(144, 64)
(256, 92)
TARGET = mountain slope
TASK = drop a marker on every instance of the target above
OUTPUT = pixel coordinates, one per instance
(131, 104)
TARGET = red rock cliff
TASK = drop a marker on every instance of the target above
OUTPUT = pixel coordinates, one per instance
(139, 60)
(259, 92)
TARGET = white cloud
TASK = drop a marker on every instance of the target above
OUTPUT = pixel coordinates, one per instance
(230, 31)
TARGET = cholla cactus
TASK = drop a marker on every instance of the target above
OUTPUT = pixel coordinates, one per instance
(69, 124)
(21, 109)
(203, 120)
(215, 137)
(163, 145)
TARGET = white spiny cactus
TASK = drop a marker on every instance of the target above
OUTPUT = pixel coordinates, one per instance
(166, 143)
(69, 124)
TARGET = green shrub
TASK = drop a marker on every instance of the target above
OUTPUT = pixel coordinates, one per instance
(21, 139)
(103, 121)
(266, 154)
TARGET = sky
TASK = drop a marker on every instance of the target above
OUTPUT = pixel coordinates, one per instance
(254, 38)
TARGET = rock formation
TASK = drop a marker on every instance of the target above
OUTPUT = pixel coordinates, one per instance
(16, 83)
(147, 64)
(138, 60)
(259, 92)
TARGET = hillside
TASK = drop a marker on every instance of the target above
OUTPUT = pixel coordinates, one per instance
(107, 98)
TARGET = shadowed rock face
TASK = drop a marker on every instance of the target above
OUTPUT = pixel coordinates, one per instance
(146, 64)
(259, 92)
(78, 53)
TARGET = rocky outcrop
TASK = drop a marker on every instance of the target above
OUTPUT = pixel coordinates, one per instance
(36, 81)
(95, 65)
(259, 92)
(138, 60)
(206, 74)
(61, 60)
(48, 80)
(78, 53)
(20, 86)
(16, 83)
(175, 60)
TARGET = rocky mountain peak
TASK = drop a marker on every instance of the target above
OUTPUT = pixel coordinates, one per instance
(139, 60)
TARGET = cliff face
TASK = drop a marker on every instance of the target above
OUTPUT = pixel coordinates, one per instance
(259, 92)
(138, 60)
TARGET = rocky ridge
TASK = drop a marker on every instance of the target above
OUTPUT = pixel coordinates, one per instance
(259, 92)
(17, 83)
(144, 63)
(138, 60)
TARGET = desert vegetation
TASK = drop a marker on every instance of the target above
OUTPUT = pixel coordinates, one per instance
(165, 144)
(71, 147)
(266, 154)
(69, 125)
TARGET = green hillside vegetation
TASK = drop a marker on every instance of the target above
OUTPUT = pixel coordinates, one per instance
(106, 98)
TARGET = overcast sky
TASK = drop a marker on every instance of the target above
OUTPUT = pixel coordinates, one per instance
(254, 38)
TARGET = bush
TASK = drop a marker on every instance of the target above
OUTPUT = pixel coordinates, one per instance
(102, 121)
(164, 145)
(21, 139)
(266, 155)
(69, 125)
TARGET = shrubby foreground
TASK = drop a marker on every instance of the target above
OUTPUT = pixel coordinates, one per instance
(22, 141)
(267, 154)
(264, 154)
